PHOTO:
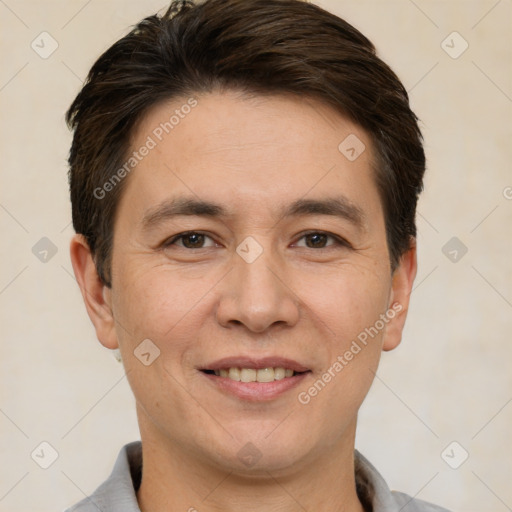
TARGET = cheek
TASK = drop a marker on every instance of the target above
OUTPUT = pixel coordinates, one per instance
(353, 346)
(154, 301)
(169, 310)
(347, 301)
(350, 310)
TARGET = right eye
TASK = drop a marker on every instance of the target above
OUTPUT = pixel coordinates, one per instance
(189, 240)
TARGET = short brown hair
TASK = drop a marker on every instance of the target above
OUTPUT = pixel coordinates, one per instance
(255, 46)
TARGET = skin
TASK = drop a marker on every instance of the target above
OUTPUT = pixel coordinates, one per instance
(296, 300)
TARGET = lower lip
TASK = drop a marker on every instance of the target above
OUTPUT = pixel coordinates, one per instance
(256, 391)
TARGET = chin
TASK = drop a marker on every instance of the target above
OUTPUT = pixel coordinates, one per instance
(258, 451)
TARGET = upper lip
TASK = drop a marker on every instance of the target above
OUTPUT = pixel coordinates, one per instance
(256, 363)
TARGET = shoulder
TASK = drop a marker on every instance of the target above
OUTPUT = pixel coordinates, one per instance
(83, 506)
(409, 504)
(375, 494)
(92, 503)
(118, 492)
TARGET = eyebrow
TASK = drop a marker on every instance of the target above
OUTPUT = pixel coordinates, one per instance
(338, 206)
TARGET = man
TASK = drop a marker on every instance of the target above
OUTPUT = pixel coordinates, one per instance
(244, 177)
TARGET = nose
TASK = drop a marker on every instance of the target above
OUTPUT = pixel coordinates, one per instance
(258, 295)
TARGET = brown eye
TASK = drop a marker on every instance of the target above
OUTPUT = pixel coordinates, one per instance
(321, 240)
(190, 240)
(316, 240)
(193, 241)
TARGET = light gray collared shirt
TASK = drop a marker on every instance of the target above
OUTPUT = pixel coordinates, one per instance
(118, 492)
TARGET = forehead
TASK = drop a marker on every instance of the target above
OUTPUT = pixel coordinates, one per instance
(250, 151)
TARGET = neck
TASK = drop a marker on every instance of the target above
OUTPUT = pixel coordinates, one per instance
(175, 479)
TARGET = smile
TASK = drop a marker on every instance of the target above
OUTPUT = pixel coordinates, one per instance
(243, 383)
(254, 374)
(254, 378)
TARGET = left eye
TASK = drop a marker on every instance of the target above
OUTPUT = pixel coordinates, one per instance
(318, 240)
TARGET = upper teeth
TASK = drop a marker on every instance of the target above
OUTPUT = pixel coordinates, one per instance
(253, 375)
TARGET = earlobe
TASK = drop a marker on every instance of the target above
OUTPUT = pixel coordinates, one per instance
(95, 293)
(401, 288)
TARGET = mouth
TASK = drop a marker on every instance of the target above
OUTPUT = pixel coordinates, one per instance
(254, 374)
(255, 379)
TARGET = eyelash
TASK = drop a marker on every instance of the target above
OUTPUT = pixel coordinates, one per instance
(340, 242)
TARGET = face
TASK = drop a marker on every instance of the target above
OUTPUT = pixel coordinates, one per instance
(247, 246)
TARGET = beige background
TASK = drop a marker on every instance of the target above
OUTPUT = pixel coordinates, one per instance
(451, 378)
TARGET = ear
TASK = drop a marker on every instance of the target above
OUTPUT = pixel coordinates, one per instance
(96, 295)
(401, 288)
